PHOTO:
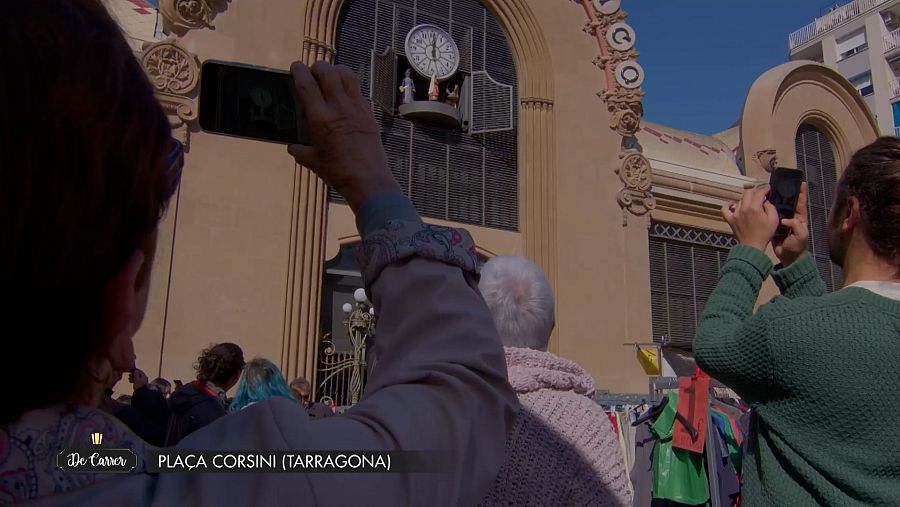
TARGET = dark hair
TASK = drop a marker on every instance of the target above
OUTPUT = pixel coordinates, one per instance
(220, 364)
(83, 144)
(873, 177)
(162, 383)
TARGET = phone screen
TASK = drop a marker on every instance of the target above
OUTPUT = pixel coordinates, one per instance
(252, 102)
(784, 190)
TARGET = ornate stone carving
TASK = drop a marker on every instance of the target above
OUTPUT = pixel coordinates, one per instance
(638, 203)
(637, 177)
(183, 15)
(626, 122)
(623, 95)
(174, 73)
(768, 159)
(536, 103)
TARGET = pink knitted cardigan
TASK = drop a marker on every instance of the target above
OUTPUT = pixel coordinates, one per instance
(562, 450)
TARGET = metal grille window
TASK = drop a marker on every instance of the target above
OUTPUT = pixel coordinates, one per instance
(684, 270)
(815, 157)
(467, 177)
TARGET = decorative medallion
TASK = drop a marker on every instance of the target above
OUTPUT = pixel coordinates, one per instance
(607, 7)
(171, 68)
(183, 15)
(630, 74)
(635, 172)
(621, 36)
(174, 73)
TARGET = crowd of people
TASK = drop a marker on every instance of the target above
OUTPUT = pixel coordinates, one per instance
(162, 417)
(89, 165)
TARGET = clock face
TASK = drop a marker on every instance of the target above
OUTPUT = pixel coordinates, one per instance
(432, 52)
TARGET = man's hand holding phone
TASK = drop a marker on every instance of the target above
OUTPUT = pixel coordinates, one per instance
(753, 219)
(790, 247)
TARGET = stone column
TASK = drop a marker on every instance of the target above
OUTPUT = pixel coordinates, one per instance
(537, 188)
(306, 257)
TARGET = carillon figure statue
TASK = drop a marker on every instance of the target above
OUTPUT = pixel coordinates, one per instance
(408, 88)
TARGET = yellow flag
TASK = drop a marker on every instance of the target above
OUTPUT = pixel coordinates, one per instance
(649, 359)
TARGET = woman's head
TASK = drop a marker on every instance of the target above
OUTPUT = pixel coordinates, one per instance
(260, 381)
(220, 364)
(83, 183)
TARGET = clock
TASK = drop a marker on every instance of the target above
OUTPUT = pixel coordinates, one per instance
(432, 52)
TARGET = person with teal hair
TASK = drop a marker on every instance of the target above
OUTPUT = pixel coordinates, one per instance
(260, 381)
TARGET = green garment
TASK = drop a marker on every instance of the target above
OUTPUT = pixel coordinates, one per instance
(820, 372)
(678, 475)
(731, 444)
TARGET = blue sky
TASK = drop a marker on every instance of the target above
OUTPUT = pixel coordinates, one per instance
(701, 56)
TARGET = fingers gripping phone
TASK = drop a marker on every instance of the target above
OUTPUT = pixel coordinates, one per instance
(251, 102)
(784, 190)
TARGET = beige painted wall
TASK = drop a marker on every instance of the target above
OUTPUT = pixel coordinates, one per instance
(231, 242)
(603, 294)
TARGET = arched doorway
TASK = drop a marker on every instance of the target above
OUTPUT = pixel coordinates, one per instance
(536, 145)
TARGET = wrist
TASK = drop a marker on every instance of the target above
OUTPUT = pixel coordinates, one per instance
(358, 194)
(787, 260)
(755, 244)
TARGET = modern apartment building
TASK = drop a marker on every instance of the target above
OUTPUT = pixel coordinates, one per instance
(861, 40)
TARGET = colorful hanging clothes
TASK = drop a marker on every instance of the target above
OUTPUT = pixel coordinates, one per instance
(693, 405)
(642, 470)
(723, 423)
(729, 485)
(614, 421)
(678, 475)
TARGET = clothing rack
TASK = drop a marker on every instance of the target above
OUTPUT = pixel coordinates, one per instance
(608, 400)
(658, 387)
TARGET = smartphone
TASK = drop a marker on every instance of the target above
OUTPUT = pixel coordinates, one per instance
(784, 190)
(251, 102)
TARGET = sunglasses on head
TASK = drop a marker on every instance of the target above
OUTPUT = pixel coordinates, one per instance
(174, 166)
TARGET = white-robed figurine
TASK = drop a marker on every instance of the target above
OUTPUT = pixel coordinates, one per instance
(408, 88)
(433, 91)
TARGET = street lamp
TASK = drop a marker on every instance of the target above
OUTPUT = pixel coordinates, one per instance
(360, 323)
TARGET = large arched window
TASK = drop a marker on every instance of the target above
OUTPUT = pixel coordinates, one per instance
(464, 174)
(815, 157)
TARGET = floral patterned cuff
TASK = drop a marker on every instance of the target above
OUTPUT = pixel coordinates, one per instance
(399, 240)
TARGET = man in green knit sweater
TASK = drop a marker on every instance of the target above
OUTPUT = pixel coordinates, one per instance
(820, 370)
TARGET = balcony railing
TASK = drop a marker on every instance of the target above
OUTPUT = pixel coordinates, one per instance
(895, 88)
(892, 40)
(831, 20)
